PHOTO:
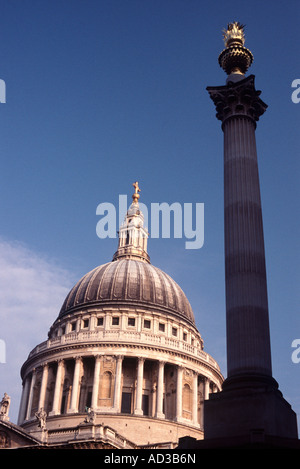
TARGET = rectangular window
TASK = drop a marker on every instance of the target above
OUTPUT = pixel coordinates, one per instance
(147, 323)
(85, 323)
(126, 403)
(131, 321)
(73, 328)
(185, 336)
(174, 331)
(161, 327)
(145, 404)
(99, 321)
(115, 321)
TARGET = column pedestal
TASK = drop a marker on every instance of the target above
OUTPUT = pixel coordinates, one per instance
(247, 405)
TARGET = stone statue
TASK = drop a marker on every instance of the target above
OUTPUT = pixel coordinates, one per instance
(4, 407)
(41, 415)
(90, 418)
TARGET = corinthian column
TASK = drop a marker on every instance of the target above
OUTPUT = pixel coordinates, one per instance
(239, 108)
(247, 317)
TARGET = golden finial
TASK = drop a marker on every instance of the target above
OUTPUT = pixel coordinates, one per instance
(136, 195)
(235, 59)
(234, 34)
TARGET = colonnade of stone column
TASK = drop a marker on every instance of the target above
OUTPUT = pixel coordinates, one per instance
(27, 410)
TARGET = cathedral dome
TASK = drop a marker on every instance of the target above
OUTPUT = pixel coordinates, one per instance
(124, 359)
(132, 281)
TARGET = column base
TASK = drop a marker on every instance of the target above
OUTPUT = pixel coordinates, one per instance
(248, 404)
(160, 415)
(71, 411)
(138, 412)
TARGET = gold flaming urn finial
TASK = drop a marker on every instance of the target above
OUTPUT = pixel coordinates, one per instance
(235, 59)
(234, 34)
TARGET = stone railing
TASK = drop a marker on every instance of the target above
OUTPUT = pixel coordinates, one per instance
(122, 336)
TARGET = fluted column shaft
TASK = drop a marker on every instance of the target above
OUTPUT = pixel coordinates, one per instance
(247, 319)
(248, 340)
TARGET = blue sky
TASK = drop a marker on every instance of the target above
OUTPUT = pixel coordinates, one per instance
(102, 93)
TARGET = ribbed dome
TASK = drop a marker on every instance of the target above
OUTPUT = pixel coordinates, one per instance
(132, 281)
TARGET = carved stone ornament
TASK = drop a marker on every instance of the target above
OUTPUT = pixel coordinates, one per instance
(237, 99)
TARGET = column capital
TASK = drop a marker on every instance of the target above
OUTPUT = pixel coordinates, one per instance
(237, 99)
(98, 356)
(119, 357)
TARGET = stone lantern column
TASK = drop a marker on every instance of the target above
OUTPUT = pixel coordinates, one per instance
(250, 398)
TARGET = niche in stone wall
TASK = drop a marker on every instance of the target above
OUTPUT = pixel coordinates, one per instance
(106, 381)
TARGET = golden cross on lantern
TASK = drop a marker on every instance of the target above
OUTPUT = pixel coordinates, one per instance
(136, 195)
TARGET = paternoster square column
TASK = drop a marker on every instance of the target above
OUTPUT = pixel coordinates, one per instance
(250, 398)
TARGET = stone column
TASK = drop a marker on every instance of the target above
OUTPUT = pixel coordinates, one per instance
(206, 388)
(139, 387)
(30, 397)
(195, 399)
(95, 392)
(179, 394)
(24, 400)
(75, 387)
(247, 319)
(160, 391)
(58, 388)
(118, 384)
(43, 386)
